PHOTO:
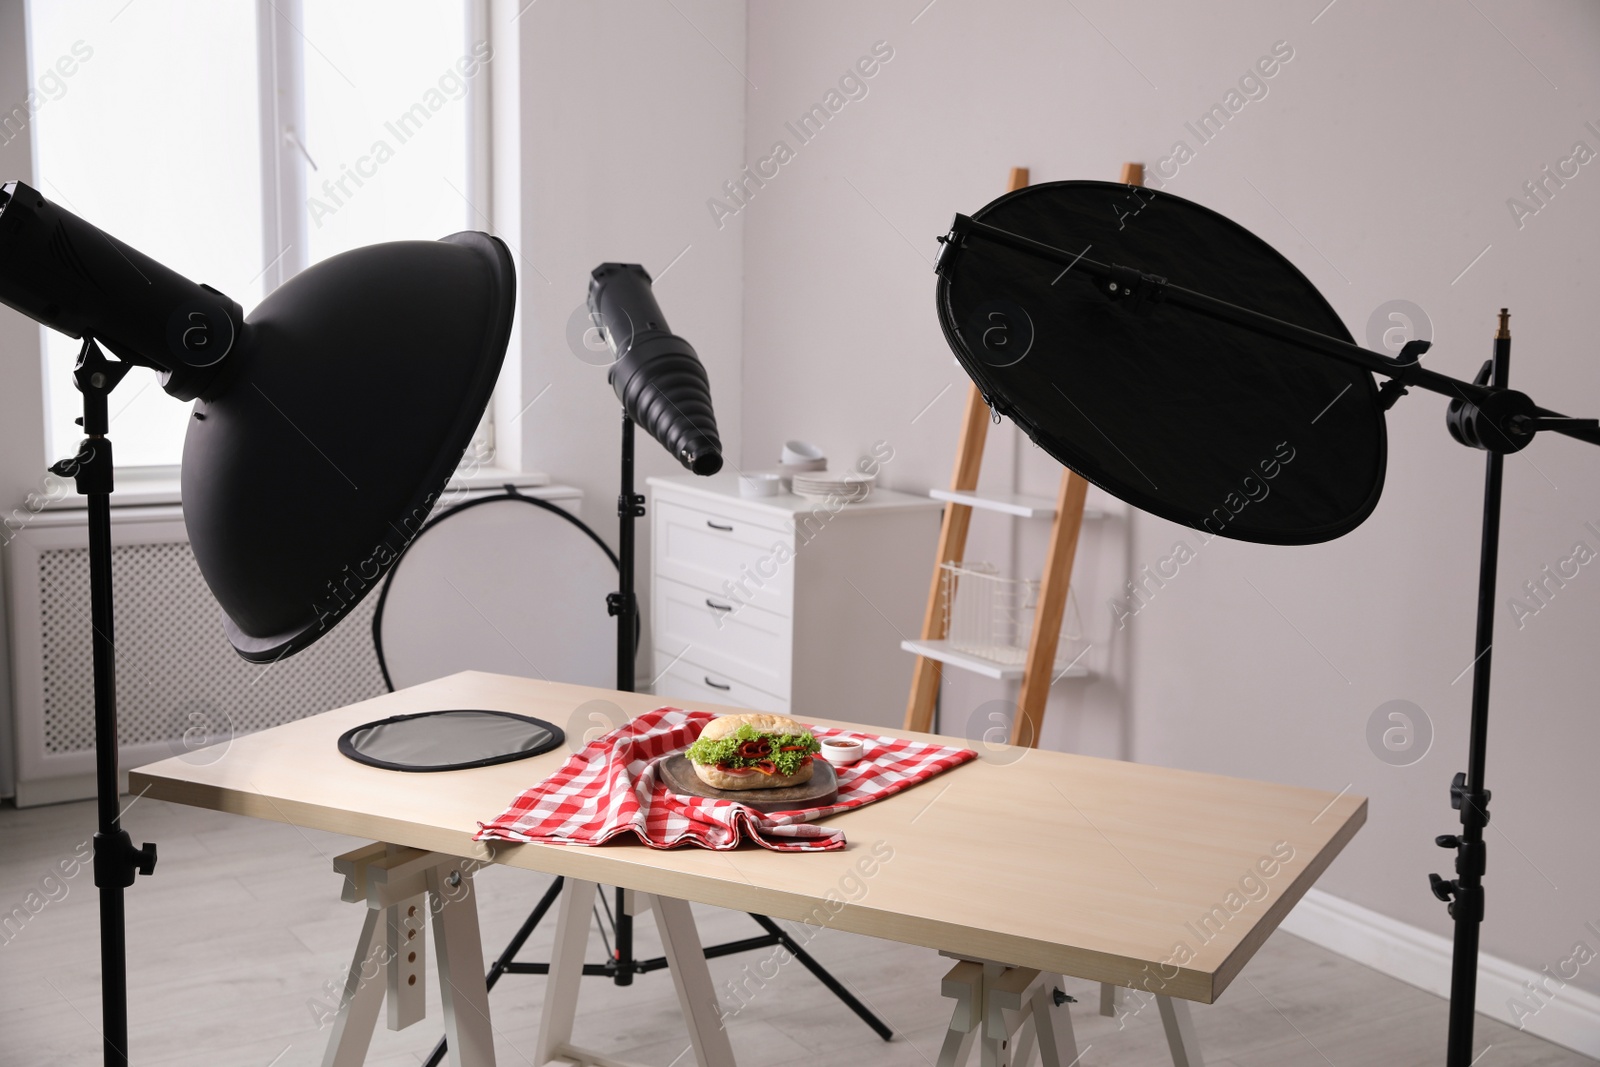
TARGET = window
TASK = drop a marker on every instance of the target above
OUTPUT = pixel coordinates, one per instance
(144, 139)
(239, 142)
(386, 124)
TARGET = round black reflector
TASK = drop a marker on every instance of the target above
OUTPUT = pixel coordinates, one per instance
(448, 740)
(1186, 417)
(318, 452)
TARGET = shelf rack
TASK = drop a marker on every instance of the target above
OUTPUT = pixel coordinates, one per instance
(1067, 514)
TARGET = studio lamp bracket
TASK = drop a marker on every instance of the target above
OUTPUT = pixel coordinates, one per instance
(1137, 288)
(95, 376)
(1498, 422)
(1393, 389)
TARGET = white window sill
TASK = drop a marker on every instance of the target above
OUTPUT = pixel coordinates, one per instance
(153, 486)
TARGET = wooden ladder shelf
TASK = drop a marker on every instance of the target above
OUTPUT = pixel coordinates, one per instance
(1039, 666)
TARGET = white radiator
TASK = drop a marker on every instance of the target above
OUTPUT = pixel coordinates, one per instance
(181, 688)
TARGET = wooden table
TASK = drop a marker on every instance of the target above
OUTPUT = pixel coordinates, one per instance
(1162, 880)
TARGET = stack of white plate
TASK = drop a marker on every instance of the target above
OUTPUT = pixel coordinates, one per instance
(799, 457)
(821, 485)
(788, 470)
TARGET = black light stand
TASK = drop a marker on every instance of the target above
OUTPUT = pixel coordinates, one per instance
(623, 965)
(1484, 413)
(1467, 792)
(624, 604)
(440, 309)
(116, 861)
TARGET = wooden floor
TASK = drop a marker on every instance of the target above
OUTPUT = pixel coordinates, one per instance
(240, 938)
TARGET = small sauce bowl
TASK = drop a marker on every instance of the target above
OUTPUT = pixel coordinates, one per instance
(841, 752)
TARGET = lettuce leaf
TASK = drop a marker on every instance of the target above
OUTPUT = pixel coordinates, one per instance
(725, 752)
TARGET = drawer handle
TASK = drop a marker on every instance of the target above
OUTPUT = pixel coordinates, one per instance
(714, 606)
(719, 526)
(717, 685)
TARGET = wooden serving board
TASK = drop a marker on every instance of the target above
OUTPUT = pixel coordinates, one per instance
(822, 790)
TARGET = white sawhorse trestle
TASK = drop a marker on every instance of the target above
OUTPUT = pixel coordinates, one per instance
(1175, 1020)
(686, 959)
(402, 888)
(1006, 1011)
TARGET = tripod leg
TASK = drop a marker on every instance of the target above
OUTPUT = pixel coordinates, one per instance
(834, 985)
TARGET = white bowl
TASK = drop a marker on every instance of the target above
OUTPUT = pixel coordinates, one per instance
(760, 484)
(841, 752)
(803, 452)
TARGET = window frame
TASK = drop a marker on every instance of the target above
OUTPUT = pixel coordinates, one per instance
(284, 180)
(281, 101)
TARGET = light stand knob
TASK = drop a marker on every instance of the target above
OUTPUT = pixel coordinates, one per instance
(1444, 890)
(117, 862)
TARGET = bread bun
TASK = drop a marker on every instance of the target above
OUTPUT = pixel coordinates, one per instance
(748, 778)
(760, 721)
(717, 778)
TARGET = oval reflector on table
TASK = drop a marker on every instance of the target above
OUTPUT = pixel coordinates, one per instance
(1195, 420)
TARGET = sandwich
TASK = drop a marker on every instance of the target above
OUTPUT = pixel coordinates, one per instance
(753, 751)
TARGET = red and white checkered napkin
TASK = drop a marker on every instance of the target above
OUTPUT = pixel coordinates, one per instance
(612, 787)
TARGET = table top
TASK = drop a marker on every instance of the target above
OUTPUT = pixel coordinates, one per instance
(1161, 879)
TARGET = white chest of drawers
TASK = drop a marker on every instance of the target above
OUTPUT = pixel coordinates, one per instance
(786, 604)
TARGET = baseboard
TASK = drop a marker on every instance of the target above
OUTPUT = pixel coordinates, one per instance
(1421, 958)
(62, 790)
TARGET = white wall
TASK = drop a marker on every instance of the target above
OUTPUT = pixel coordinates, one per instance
(1380, 161)
(22, 459)
(631, 115)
